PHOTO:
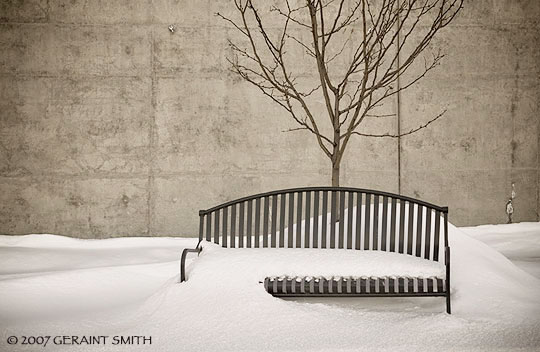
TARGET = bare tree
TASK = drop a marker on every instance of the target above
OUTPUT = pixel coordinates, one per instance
(360, 50)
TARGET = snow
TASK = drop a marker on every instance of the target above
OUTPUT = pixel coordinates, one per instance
(518, 242)
(267, 262)
(52, 285)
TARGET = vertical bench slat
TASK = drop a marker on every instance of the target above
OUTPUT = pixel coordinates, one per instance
(316, 220)
(401, 226)
(333, 210)
(445, 216)
(341, 239)
(349, 219)
(324, 219)
(384, 222)
(216, 226)
(376, 222)
(298, 232)
(282, 221)
(367, 220)
(427, 241)
(307, 232)
(393, 222)
(410, 229)
(266, 220)
(437, 236)
(249, 223)
(208, 227)
(290, 223)
(233, 226)
(274, 221)
(224, 231)
(241, 226)
(419, 231)
(358, 227)
(257, 222)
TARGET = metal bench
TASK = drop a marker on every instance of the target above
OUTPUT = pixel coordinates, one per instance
(358, 219)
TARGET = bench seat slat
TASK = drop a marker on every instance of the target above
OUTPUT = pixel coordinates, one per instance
(349, 286)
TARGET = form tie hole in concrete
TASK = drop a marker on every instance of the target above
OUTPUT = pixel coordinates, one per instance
(125, 200)
(509, 205)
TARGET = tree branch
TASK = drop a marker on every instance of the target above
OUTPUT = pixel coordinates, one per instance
(414, 130)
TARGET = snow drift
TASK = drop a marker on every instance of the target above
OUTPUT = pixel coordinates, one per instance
(51, 285)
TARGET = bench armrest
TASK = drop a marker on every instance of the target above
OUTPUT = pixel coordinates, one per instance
(183, 261)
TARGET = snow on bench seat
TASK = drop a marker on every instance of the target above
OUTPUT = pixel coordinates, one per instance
(259, 263)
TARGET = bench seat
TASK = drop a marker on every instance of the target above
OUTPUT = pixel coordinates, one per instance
(354, 286)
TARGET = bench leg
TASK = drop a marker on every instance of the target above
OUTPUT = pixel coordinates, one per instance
(447, 264)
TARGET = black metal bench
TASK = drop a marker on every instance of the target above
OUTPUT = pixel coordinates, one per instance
(363, 220)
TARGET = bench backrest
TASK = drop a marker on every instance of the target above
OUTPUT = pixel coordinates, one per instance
(363, 219)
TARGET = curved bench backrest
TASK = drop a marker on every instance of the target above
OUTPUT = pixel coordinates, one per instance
(329, 217)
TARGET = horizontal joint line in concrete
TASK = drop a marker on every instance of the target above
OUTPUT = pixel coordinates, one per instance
(71, 75)
(76, 177)
(196, 25)
(78, 25)
(527, 25)
(475, 170)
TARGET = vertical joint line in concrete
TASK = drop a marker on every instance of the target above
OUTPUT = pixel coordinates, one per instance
(48, 11)
(151, 138)
(398, 108)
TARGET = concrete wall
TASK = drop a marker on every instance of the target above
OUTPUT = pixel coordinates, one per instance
(112, 126)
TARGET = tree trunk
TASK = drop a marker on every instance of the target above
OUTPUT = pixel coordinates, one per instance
(335, 183)
(336, 157)
(335, 175)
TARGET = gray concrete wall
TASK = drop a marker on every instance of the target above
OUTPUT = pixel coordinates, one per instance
(112, 126)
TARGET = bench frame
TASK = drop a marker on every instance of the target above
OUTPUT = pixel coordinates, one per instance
(238, 223)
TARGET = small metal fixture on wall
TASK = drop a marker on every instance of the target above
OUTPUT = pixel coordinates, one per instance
(172, 28)
(509, 205)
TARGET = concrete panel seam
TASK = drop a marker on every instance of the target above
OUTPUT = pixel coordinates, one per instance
(152, 141)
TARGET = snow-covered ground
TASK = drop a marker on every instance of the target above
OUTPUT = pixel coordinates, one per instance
(518, 242)
(58, 286)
